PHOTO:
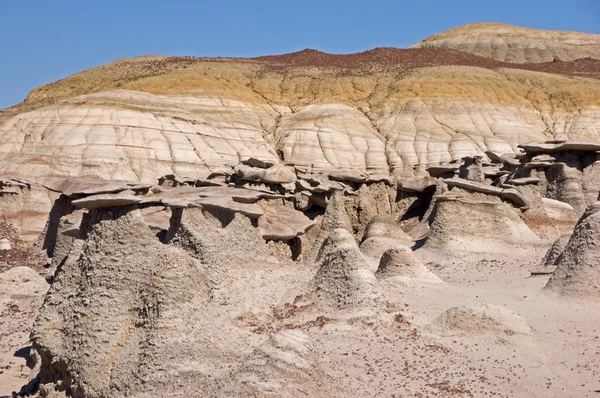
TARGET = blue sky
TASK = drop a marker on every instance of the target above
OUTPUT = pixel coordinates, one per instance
(43, 41)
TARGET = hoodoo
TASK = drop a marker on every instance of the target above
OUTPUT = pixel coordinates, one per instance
(396, 222)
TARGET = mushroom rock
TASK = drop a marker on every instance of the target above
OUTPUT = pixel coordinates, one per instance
(511, 194)
(381, 233)
(469, 223)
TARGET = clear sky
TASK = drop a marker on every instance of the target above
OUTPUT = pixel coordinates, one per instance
(45, 40)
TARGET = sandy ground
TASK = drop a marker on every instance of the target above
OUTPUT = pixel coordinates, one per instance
(22, 292)
(398, 351)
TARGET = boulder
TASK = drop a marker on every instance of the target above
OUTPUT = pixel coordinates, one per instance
(274, 174)
(510, 194)
(282, 223)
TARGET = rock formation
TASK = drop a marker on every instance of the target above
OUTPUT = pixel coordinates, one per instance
(345, 278)
(401, 263)
(473, 222)
(294, 225)
(577, 272)
(515, 44)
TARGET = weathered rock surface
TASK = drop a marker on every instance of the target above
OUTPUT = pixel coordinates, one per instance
(557, 248)
(345, 278)
(577, 272)
(240, 273)
(282, 223)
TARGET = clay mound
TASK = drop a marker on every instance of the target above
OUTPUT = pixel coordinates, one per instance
(578, 267)
(516, 44)
(383, 233)
(401, 262)
(557, 248)
(346, 277)
(284, 366)
(481, 319)
(473, 223)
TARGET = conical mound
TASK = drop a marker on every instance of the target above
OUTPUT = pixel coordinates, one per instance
(284, 366)
(578, 272)
(346, 277)
(401, 261)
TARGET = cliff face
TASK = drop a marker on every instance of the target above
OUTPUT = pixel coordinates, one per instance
(384, 111)
(515, 44)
